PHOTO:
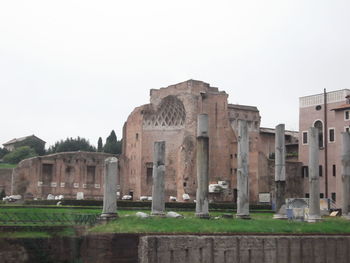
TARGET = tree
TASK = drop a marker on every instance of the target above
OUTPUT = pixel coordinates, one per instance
(19, 154)
(72, 145)
(100, 145)
(111, 145)
(37, 145)
(3, 152)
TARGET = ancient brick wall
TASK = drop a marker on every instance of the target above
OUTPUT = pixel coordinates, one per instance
(172, 116)
(294, 180)
(61, 174)
(5, 180)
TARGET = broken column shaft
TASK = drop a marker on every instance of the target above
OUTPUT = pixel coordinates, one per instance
(110, 189)
(345, 159)
(280, 171)
(202, 206)
(314, 180)
(242, 171)
(158, 191)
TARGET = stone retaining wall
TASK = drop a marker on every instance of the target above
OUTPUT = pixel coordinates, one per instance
(244, 249)
(105, 248)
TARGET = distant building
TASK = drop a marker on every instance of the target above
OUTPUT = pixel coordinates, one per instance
(331, 117)
(171, 116)
(12, 144)
(65, 173)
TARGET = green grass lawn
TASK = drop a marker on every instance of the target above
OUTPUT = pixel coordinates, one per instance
(7, 165)
(260, 223)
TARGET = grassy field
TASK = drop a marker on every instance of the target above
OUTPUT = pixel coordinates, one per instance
(129, 223)
(7, 165)
(260, 223)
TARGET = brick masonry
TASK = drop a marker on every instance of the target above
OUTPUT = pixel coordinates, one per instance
(61, 174)
(171, 116)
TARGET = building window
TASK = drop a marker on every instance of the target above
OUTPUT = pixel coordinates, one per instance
(76, 185)
(331, 135)
(346, 128)
(40, 183)
(62, 185)
(184, 184)
(305, 171)
(307, 195)
(304, 137)
(97, 186)
(137, 136)
(319, 125)
(90, 178)
(320, 170)
(53, 184)
(346, 115)
(321, 195)
(334, 197)
(47, 173)
(334, 170)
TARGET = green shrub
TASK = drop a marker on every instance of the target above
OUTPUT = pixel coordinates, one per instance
(147, 204)
(19, 154)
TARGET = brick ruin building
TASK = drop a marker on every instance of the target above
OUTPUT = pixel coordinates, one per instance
(61, 174)
(171, 116)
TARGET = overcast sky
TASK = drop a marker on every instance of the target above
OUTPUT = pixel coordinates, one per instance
(78, 68)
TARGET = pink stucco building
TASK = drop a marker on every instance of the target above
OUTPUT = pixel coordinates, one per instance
(331, 114)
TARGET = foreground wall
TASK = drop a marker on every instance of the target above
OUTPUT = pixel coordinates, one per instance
(247, 249)
(131, 248)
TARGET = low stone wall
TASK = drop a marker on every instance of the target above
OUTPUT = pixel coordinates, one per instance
(105, 248)
(244, 249)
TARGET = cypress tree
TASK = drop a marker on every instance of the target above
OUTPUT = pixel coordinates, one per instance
(111, 145)
(100, 145)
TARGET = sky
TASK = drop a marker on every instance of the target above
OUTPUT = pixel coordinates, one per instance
(79, 67)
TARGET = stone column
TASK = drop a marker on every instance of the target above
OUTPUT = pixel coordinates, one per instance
(242, 171)
(158, 189)
(314, 180)
(202, 206)
(110, 189)
(280, 172)
(345, 159)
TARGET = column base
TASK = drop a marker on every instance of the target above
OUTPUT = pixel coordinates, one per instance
(314, 219)
(202, 215)
(280, 216)
(107, 217)
(243, 217)
(157, 213)
(346, 216)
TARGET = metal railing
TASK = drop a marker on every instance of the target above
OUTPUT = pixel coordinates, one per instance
(22, 218)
